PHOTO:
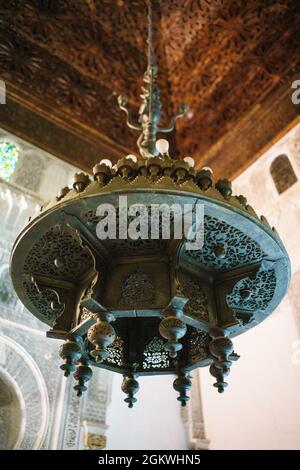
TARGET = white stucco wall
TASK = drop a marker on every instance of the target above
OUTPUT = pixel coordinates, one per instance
(261, 408)
(153, 423)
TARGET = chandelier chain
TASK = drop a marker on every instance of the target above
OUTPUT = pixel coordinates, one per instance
(151, 58)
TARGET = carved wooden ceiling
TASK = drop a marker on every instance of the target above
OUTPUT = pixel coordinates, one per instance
(233, 62)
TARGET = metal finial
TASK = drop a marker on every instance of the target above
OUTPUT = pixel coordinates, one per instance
(150, 109)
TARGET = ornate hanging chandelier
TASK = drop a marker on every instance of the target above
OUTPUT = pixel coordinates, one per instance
(149, 304)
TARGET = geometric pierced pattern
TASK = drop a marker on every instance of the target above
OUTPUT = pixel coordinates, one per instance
(198, 345)
(259, 292)
(46, 301)
(239, 248)
(129, 246)
(197, 305)
(134, 247)
(116, 352)
(137, 288)
(155, 355)
(58, 253)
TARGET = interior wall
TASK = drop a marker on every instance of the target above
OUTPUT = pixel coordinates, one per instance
(53, 416)
(154, 422)
(260, 409)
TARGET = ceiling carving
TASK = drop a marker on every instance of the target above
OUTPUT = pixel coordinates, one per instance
(228, 60)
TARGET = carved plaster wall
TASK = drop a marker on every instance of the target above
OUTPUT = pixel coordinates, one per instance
(39, 408)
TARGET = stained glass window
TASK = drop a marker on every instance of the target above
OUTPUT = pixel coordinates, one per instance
(9, 155)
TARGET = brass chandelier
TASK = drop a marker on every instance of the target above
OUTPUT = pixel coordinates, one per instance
(148, 306)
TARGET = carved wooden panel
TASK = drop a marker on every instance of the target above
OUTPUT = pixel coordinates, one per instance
(69, 59)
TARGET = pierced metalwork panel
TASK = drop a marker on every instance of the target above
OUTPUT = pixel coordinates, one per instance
(137, 347)
(116, 352)
(135, 247)
(225, 247)
(155, 356)
(253, 294)
(46, 301)
(127, 247)
(197, 305)
(198, 342)
(58, 253)
(137, 288)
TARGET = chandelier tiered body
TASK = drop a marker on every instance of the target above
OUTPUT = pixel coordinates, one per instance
(148, 306)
